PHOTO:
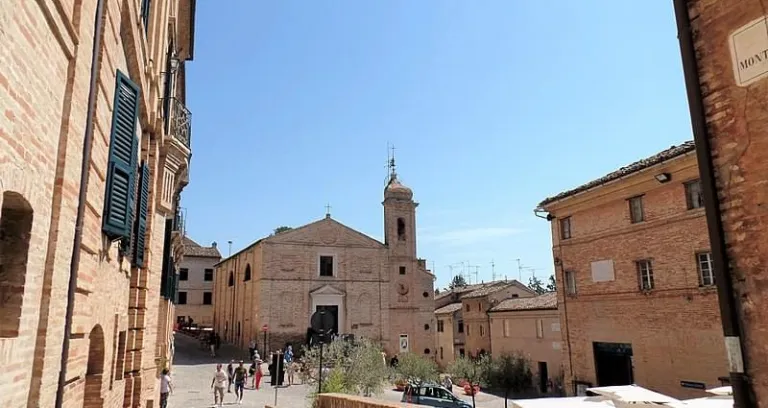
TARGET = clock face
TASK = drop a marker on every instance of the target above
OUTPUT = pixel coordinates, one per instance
(402, 288)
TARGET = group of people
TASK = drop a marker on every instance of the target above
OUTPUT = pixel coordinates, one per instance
(236, 374)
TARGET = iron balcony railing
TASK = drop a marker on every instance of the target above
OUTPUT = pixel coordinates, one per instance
(179, 121)
(178, 221)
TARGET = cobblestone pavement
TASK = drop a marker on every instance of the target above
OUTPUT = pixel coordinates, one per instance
(193, 370)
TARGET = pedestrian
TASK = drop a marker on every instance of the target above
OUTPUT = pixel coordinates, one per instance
(251, 349)
(241, 375)
(394, 362)
(231, 374)
(219, 382)
(166, 387)
(291, 370)
(212, 344)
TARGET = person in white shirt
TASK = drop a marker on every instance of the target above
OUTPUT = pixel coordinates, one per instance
(219, 383)
(166, 387)
(252, 348)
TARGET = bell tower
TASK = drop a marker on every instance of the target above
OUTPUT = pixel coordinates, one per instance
(399, 217)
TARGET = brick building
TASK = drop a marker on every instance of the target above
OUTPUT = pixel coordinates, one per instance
(93, 133)
(377, 290)
(723, 45)
(530, 326)
(194, 299)
(462, 318)
(636, 287)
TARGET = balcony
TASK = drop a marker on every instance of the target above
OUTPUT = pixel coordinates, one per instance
(179, 121)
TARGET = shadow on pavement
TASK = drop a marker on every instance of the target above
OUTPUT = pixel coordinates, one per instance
(189, 352)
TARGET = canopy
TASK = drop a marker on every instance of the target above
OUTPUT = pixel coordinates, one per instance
(569, 402)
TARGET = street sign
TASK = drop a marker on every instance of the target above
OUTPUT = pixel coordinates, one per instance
(265, 328)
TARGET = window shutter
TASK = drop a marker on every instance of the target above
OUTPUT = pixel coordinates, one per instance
(142, 206)
(123, 146)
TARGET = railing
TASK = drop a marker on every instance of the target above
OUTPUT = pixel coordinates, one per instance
(178, 221)
(179, 124)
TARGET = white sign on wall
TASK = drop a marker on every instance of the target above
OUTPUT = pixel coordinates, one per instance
(749, 52)
(602, 271)
(404, 343)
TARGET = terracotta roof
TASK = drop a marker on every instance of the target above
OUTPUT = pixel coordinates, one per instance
(192, 248)
(643, 164)
(541, 302)
(493, 287)
(453, 307)
(460, 289)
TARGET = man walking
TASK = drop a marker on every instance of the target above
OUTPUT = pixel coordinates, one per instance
(220, 380)
(166, 387)
(241, 374)
(231, 373)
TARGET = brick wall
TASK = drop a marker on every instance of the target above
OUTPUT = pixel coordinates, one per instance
(674, 329)
(44, 84)
(736, 120)
(522, 336)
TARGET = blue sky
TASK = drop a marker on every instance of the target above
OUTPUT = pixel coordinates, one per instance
(492, 106)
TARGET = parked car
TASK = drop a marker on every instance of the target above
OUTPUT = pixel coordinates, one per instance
(432, 395)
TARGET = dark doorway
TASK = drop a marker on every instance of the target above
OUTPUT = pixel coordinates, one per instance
(543, 377)
(334, 310)
(613, 364)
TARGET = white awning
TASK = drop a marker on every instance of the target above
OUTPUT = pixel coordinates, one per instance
(633, 394)
(568, 402)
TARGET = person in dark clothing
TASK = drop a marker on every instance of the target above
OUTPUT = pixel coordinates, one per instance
(394, 362)
(231, 372)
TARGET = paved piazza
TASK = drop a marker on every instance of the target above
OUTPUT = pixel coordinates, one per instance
(193, 371)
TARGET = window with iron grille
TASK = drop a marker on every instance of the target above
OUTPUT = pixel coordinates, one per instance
(706, 269)
(693, 194)
(645, 274)
(636, 213)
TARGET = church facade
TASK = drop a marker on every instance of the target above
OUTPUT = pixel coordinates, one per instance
(378, 290)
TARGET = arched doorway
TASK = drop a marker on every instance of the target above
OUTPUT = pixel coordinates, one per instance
(95, 371)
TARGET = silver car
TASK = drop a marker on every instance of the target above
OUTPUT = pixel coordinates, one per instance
(432, 395)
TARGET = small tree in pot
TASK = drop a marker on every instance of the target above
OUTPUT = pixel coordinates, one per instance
(511, 373)
(475, 371)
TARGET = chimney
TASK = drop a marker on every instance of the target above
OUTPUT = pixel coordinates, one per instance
(213, 244)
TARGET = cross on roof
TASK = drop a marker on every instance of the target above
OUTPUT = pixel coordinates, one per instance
(328, 210)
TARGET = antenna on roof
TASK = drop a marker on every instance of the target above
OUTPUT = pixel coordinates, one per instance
(493, 270)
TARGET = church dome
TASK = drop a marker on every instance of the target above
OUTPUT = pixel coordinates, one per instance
(397, 190)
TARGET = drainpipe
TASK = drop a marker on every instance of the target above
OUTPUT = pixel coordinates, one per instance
(74, 264)
(743, 396)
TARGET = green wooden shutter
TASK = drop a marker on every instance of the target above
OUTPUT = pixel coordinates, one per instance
(123, 147)
(142, 206)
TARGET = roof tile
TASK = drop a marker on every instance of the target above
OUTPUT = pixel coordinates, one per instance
(639, 165)
(541, 302)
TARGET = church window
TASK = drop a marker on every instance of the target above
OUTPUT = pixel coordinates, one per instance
(247, 276)
(326, 265)
(400, 229)
(402, 270)
(231, 279)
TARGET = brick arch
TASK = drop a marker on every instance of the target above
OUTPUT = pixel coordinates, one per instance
(15, 228)
(95, 369)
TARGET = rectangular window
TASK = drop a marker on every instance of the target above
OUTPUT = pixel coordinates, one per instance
(693, 195)
(440, 326)
(402, 270)
(441, 353)
(482, 331)
(460, 326)
(207, 298)
(117, 216)
(706, 269)
(565, 228)
(183, 274)
(507, 328)
(182, 298)
(636, 213)
(479, 307)
(467, 330)
(539, 328)
(326, 265)
(145, 4)
(120, 365)
(208, 277)
(467, 307)
(645, 274)
(570, 282)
